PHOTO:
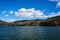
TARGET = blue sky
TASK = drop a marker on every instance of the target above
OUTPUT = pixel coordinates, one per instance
(12, 10)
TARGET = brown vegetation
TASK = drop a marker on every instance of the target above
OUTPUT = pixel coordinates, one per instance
(55, 21)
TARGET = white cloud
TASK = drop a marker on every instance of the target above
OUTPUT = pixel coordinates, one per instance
(7, 15)
(33, 13)
(54, 0)
(22, 9)
(58, 5)
(30, 13)
(54, 14)
(4, 11)
(11, 12)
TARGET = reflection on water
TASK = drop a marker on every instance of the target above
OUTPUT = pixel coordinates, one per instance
(29, 33)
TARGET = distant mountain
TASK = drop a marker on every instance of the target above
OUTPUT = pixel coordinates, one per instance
(3, 23)
(56, 17)
(24, 23)
(53, 21)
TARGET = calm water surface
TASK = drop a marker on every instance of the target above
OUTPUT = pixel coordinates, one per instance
(29, 33)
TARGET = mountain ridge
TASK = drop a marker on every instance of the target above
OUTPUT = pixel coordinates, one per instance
(53, 21)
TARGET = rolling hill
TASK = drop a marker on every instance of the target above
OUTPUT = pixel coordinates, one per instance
(54, 21)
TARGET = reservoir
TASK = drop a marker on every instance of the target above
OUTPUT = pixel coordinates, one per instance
(29, 33)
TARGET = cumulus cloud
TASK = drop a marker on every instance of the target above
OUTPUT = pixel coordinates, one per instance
(11, 12)
(30, 13)
(58, 5)
(33, 13)
(54, 0)
(54, 14)
(6, 15)
(4, 11)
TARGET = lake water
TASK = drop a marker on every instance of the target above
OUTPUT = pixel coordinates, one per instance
(29, 33)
